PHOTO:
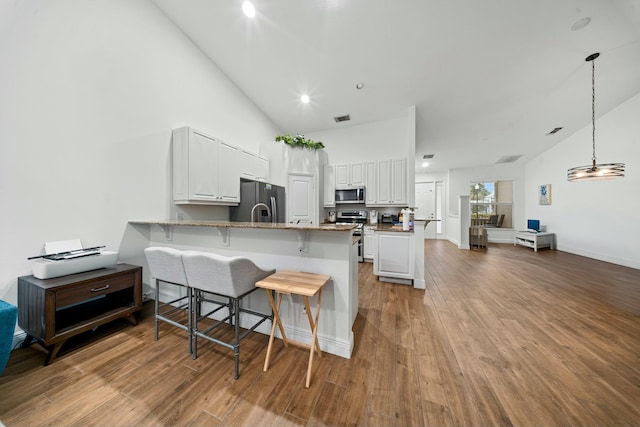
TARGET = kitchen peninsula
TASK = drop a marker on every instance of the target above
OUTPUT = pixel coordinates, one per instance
(325, 249)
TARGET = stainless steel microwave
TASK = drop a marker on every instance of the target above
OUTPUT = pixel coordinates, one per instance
(350, 195)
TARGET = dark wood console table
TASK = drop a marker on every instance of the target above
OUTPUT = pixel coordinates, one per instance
(54, 310)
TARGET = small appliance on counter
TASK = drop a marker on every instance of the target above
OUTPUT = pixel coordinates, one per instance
(407, 219)
(387, 218)
(332, 216)
(373, 217)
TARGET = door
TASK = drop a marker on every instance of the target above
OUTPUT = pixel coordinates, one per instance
(301, 197)
(429, 202)
(426, 204)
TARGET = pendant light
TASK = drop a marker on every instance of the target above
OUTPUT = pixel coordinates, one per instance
(600, 171)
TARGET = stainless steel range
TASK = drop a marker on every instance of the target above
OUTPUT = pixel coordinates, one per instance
(354, 217)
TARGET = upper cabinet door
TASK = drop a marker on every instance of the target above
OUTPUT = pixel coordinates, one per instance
(384, 181)
(371, 183)
(203, 184)
(205, 170)
(358, 174)
(342, 176)
(253, 166)
(352, 175)
(248, 165)
(263, 169)
(399, 182)
(329, 181)
(228, 179)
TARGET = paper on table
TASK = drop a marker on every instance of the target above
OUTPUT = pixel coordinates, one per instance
(62, 246)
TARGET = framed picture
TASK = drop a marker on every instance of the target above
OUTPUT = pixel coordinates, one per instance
(544, 194)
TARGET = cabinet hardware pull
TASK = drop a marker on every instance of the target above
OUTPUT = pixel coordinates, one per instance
(104, 288)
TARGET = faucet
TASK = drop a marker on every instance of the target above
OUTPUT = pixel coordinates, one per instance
(254, 208)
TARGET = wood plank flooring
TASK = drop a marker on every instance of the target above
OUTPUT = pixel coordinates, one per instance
(501, 336)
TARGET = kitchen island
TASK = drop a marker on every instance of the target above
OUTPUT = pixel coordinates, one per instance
(325, 249)
(398, 255)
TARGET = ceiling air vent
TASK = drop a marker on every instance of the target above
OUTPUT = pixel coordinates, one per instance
(344, 118)
(509, 159)
(427, 156)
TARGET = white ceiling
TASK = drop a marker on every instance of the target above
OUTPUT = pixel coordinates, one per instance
(488, 78)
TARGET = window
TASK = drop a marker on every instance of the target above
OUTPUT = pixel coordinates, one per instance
(489, 201)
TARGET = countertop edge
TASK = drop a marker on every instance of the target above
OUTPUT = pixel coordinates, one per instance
(258, 225)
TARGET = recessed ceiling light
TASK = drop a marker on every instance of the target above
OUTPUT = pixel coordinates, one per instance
(248, 9)
(359, 85)
(305, 99)
(578, 25)
(425, 164)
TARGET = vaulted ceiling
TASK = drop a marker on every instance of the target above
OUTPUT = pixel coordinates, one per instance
(488, 78)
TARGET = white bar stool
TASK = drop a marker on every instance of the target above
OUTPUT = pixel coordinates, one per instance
(165, 264)
(232, 278)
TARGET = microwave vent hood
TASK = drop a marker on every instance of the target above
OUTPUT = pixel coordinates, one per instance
(350, 195)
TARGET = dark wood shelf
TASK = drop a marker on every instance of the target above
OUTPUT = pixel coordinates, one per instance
(53, 310)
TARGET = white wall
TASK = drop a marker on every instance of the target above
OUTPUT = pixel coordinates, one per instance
(90, 93)
(386, 139)
(368, 142)
(459, 181)
(596, 219)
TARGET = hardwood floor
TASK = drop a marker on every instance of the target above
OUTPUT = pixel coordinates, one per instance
(501, 336)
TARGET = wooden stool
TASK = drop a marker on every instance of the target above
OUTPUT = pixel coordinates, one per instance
(287, 282)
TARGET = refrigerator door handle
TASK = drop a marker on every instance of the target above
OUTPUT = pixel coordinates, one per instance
(274, 210)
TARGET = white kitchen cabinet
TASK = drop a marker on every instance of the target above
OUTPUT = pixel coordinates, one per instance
(390, 183)
(394, 256)
(329, 187)
(398, 182)
(371, 190)
(350, 175)
(262, 168)
(205, 169)
(253, 166)
(302, 199)
(367, 243)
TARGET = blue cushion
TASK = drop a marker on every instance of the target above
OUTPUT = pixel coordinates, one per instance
(8, 318)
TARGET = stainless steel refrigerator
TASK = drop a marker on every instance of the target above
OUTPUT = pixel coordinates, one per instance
(268, 200)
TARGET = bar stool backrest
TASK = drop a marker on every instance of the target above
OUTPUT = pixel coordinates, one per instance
(166, 265)
(228, 276)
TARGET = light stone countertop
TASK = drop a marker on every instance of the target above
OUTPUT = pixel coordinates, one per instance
(229, 224)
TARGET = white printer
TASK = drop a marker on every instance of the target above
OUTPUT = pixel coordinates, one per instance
(69, 257)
